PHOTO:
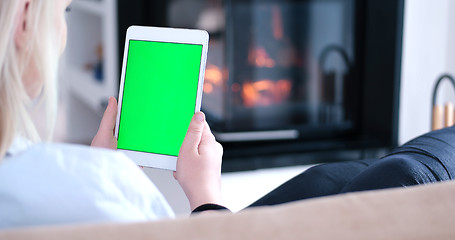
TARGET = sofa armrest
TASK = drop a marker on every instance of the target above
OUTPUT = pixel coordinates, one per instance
(419, 212)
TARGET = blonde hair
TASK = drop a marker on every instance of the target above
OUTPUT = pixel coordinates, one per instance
(15, 119)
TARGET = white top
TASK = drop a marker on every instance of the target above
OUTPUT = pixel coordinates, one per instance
(45, 184)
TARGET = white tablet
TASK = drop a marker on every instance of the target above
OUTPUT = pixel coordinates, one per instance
(160, 90)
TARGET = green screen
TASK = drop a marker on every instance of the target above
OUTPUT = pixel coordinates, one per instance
(159, 96)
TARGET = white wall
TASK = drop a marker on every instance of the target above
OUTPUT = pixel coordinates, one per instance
(428, 52)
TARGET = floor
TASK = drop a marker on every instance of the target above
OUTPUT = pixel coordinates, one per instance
(239, 189)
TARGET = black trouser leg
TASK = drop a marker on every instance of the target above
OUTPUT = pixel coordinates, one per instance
(318, 181)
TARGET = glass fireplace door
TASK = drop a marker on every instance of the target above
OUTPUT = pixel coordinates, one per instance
(287, 65)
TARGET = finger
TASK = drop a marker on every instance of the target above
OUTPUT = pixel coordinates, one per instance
(194, 133)
(110, 114)
(207, 135)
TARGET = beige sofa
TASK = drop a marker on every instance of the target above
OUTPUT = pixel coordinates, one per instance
(421, 212)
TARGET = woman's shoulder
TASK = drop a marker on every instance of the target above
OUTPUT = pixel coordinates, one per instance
(58, 183)
(52, 162)
(67, 158)
(84, 154)
(69, 151)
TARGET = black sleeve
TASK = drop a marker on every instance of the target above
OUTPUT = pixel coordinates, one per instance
(209, 206)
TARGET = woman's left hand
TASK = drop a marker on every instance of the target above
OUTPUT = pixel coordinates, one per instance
(105, 138)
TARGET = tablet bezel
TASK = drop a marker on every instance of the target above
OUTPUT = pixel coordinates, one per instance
(159, 34)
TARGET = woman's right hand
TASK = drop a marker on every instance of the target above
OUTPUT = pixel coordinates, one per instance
(199, 164)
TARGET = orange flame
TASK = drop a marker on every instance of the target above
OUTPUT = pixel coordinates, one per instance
(277, 23)
(265, 92)
(213, 78)
(260, 58)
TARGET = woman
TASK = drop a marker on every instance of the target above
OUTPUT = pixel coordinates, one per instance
(58, 183)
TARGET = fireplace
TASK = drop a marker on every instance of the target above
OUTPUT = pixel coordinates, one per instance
(282, 70)
(293, 76)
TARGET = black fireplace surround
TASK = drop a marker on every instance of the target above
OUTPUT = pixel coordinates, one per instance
(292, 78)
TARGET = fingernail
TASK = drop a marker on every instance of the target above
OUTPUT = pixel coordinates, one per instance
(199, 116)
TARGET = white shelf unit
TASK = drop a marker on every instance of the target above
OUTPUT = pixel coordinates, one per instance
(92, 23)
